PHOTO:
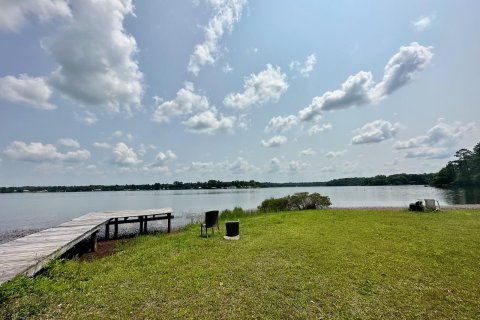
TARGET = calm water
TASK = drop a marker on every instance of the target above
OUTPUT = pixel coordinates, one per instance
(43, 210)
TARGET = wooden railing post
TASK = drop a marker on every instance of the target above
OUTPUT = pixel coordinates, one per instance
(93, 241)
(169, 218)
(115, 234)
(107, 230)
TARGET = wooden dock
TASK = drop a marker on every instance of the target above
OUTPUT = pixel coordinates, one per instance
(28, 255)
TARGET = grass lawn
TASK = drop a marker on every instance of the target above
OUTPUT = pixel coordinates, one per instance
(331, 264)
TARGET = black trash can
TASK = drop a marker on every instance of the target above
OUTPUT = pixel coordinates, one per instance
(233, 228)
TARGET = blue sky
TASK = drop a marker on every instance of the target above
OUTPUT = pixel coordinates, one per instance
(119, 91)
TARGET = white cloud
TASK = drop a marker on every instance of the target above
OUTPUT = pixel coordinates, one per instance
(202, 166)
(295, 65)
(281, 124)
(96, 56)
(422, 23)
(227, 68)
(87, 118)
(266, 86)
(439, 141)
(163, 158)
(307, 67)
(360, 89)
(39, 152)
(155, 169)
(227, 13)
(335, 154)
(442, 134)
(402, 67)
(275, 141)
(67, 142)
(91, 167)
(240, 166)
(307, 152)
(76, 156)
(328, 169)
(209, 122)
(124, 155)
(14, 13)
(186, 102)
(375, 131)
(120, 133)
(244, 122)
(158, 100)
(315, 129)
(102, 145)
(274, 165)
(27, 90)
(295, 166)
(355, 91)
(428, 153)
(117, 134)
(144, 149)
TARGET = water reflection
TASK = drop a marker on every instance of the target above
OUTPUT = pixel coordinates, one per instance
(461, 195)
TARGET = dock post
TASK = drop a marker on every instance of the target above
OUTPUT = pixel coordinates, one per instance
(169, 218)
(140, 218)
(93, 241)
(115, 234)
(107, 230)
(145, 225)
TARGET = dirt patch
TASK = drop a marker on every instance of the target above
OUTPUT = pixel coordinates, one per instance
(104, 249)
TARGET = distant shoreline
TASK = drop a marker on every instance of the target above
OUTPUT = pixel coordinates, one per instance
(379, 180)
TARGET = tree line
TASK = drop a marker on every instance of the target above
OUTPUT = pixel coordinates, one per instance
(380, 180)
(464, 171)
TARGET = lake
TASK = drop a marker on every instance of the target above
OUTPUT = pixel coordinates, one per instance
(43, 210)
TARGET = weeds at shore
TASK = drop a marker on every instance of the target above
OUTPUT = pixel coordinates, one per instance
(237, 213)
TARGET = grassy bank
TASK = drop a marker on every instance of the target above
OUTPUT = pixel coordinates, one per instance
(305, 265)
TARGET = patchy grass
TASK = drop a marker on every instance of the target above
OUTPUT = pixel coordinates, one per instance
(331, 264)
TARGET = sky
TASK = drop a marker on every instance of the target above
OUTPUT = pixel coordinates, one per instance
(123, 91)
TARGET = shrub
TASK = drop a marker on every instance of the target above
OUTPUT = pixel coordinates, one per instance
(230, 215)
(272, 204)
(225, 213)
(317, 201)
(297, 201)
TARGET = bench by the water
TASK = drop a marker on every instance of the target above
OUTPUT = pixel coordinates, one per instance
(28, 255)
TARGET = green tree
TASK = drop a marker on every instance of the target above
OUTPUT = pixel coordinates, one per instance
(463, 171)
(445, 176)
(476, 165)
(463, 166)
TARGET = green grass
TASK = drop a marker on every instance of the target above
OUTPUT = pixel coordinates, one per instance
(330, 264)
